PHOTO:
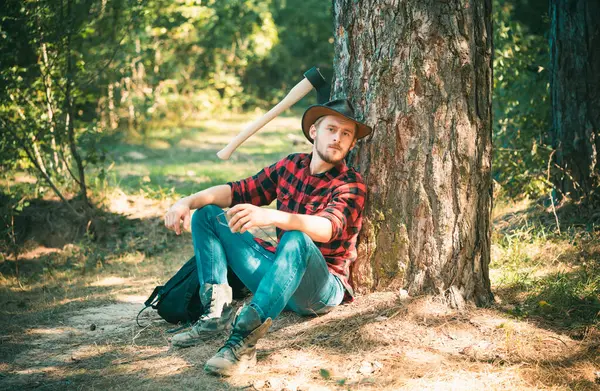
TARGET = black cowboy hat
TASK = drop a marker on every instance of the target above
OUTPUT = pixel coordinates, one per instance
(339, 107)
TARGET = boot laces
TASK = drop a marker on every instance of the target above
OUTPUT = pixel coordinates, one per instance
(235, 341)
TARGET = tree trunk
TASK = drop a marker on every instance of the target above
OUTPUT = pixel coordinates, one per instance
(113, 118)
(575, 89)
(420, 73)
(70, 109)
(49, 106)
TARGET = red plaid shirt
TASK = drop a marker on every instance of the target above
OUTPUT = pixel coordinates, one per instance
(338, 195)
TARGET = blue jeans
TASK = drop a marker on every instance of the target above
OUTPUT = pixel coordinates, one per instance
(296, 276)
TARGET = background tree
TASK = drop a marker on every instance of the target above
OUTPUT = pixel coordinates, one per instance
(39, 98)
(575, 82)
(420, 72)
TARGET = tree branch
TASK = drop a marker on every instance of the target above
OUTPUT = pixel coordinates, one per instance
(39, 169)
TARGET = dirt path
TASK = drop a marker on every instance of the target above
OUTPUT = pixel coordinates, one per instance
(380, 342)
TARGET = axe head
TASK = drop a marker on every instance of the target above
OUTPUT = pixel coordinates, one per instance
(319, 83)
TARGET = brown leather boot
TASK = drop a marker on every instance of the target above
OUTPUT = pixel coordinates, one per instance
(239, 352)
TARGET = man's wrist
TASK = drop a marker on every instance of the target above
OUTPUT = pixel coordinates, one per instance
(272, 216)
(186, 201)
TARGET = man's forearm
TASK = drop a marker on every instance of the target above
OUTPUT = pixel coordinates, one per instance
(217, 195)
(318, 228)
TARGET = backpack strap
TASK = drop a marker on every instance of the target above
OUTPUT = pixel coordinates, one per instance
(150, 302)
(137, 318)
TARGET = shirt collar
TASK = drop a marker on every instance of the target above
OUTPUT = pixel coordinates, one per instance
(330, 174)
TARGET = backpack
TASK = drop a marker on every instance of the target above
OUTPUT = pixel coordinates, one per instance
(178, 300)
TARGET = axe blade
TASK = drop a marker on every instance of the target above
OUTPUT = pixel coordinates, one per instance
(319, 83)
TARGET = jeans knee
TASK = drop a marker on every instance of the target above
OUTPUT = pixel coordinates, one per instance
(204, 214)
(296, 238)
(295, 244)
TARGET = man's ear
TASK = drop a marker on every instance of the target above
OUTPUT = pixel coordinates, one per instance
(312, 131)
(353, 144)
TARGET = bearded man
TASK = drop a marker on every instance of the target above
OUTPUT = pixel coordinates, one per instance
(318, 217)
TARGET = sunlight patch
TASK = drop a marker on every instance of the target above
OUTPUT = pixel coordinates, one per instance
(135, 155)
(107, 319)
(47, 331)
(33, 371)
(156, 367)
(430, 307)
(135, 299)
(158, 144)
(420, 356)
(466, 380)
(111, 281)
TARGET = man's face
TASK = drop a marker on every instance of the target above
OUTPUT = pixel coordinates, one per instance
(333, 138)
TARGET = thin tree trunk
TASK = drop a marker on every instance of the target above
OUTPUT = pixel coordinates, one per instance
(49, 103)
(38, 155)
(70, 118)
(36, 152)
(128, 96)
(575, 86)
(113, 119)
(420, 73)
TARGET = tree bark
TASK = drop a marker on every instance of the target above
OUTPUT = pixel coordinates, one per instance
(575, 91)
(420, 73)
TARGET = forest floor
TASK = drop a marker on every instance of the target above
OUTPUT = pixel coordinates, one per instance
(68, 302)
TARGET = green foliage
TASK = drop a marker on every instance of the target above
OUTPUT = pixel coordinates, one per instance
(196, 59)
(71, 70)
(305, 39)
(45, 100)
(521, 106)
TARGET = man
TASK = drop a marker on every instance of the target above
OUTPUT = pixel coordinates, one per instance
(319, 214)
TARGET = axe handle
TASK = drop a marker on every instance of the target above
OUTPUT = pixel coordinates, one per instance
(295, 94)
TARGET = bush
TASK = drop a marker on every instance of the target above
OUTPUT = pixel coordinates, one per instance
(521, 106)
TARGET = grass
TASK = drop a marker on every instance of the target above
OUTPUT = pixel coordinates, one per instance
(545, 275)
(174, 161)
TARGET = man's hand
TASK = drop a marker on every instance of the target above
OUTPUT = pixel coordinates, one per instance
(179, 211)
(246, 216)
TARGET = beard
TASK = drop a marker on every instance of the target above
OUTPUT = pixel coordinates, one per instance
(327, 158)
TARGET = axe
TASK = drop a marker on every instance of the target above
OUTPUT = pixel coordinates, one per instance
(312, 79)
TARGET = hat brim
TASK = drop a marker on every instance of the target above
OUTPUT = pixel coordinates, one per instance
(315, 112)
